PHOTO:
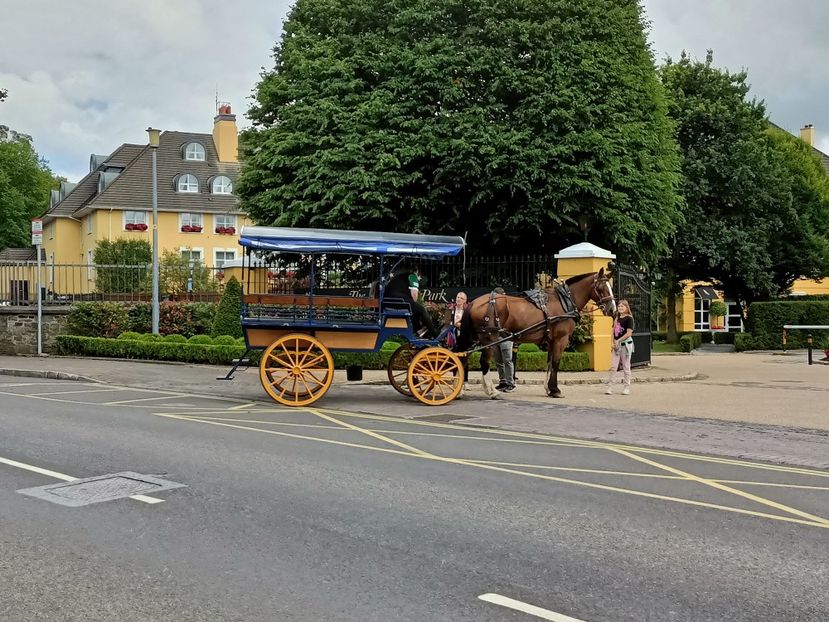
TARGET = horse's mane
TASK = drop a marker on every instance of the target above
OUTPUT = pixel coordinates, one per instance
(576, 279)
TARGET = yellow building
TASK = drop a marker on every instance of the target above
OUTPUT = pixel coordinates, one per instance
(199, 216)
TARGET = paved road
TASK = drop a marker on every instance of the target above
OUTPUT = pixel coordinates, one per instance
(332, 514)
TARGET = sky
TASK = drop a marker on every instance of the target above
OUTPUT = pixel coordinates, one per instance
(85, 76)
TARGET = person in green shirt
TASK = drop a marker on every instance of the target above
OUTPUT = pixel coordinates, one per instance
(405, 284)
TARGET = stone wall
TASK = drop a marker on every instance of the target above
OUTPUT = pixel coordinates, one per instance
(18, 328)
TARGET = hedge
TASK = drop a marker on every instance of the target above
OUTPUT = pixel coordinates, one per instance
(691, 341)
(743, 342)
(153, 347)
(766, 320)
(110, 319)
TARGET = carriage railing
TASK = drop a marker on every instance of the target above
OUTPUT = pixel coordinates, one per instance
(321, 310)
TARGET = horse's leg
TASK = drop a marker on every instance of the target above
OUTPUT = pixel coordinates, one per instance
(553, 361)
(486, 382)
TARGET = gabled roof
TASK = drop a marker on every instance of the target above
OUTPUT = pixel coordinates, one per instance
(132, 187)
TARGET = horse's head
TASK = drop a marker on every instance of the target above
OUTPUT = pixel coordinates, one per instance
(602, 294)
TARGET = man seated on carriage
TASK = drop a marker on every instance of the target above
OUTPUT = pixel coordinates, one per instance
(405, 284)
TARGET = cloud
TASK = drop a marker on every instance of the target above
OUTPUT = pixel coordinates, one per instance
(85, 77)
(96, 76)
(782, 45)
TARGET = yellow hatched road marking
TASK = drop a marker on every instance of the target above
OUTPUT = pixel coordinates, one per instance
(380, 437)
(724, 488)
(812, 523)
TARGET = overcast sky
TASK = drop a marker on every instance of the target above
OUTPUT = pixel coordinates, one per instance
(85, 76)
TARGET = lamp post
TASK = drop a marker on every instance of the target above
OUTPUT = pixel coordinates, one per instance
(154, 140)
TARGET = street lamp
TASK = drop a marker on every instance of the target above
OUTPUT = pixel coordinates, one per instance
(155, 136)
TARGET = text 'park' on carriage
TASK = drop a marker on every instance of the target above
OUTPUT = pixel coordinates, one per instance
(310, 292)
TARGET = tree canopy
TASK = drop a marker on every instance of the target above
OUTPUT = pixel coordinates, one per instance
(755, 198)
(523, 123)
(25, 183)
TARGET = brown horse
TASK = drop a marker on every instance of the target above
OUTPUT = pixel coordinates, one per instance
(492, 317)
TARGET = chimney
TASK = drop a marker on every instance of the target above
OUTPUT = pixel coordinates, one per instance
(225, 135)
(807, 134)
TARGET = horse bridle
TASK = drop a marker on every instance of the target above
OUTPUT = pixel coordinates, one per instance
(602, 300)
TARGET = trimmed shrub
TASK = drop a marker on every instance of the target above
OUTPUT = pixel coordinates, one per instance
(686, 343)
(724, 337)
(202, 316)
(766, 320)
(108, 319)
(140, 317)
(153, 347)
(175, 339)
(743, 342)
(659, 336)
(227, 320)
(150, 350)
(528, 347)
(241, 341)
(390, 345)
(129, 336)
(201, 340)
(224, 340)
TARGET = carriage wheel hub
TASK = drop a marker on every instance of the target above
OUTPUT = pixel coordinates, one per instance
(296, 371)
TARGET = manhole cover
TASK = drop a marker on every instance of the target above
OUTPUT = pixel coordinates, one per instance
(101, 488)
(443, 418)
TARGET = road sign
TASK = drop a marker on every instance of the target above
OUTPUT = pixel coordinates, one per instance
(37, 231)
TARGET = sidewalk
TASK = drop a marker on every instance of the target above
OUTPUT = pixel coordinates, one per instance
(762, 388)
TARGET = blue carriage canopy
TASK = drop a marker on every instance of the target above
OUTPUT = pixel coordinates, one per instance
(290, 240)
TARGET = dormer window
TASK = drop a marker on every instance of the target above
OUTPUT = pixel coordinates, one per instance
(187, 183)
(221, 185)
(194, 151)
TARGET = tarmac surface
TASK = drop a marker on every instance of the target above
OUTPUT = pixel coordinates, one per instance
(336, 513)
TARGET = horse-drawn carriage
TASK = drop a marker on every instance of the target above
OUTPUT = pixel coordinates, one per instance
(290, 310)
(304, 297)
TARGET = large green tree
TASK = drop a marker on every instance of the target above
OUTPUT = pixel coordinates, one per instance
(25, 182)
(753, 197)
(521, 122)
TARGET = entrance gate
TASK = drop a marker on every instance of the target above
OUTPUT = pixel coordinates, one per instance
(629, 284)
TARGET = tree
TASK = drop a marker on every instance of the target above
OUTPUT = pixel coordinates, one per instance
(523, 123)
(800, 243)
(732, 184)
(123, 266)
(181, 274)
(3, 94)
(25, 183)
(227, 320)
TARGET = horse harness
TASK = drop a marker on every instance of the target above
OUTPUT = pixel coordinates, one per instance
(540, 299)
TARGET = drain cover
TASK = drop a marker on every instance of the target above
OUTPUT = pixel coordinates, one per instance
(101, 488)
(442, 418)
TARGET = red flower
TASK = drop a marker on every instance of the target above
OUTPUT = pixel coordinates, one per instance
(231, 230)
(141, 227)
(129, 226)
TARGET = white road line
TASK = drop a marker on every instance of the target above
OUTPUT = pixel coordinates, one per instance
(67, 478)
(73, 392)
(170, 396)
(517, 605)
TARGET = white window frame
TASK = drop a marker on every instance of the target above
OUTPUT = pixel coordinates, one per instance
(190, 179)
(216, 252)
(191, 250)
(216, 223)
(136, 218)
(89, 224)
(702, 318)
(225, 188)
(189, 215)
(734, 317)
(195, 155)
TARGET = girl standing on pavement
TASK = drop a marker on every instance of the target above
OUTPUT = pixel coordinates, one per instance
(622, 346)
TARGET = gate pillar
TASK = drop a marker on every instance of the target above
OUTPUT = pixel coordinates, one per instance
(580, 259)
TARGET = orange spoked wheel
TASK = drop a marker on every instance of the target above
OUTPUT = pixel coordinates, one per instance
(435, 376)
(296, 370)
(399, 368)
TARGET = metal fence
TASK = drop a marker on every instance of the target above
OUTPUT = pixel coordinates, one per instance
(67, 283)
